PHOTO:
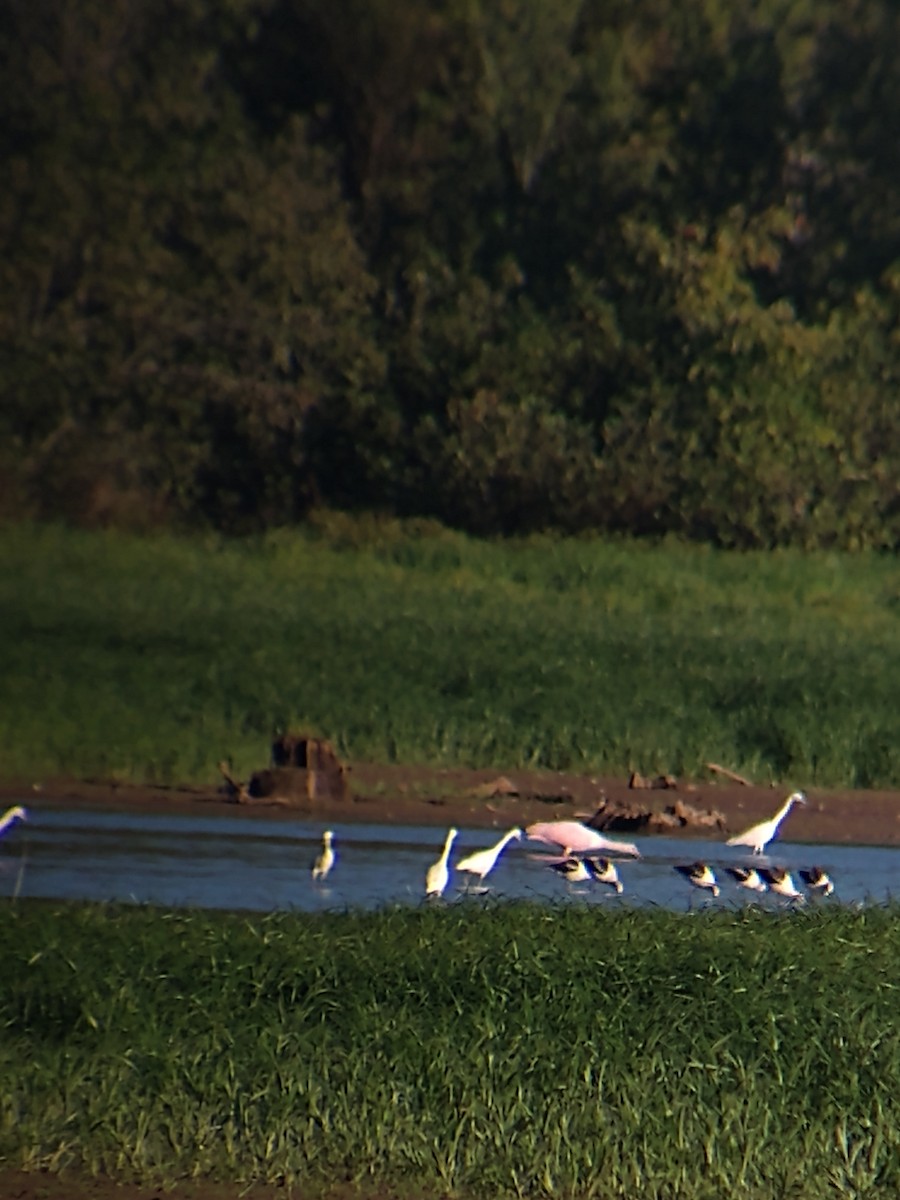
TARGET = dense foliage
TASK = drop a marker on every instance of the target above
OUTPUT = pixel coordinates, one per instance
(522, 264)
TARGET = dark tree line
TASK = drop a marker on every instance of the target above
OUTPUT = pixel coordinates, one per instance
(518, 264)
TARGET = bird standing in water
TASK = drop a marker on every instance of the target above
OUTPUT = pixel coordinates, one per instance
(604, 871)
(781, 883)
(749, 878)
(818, 880)
(700, 875)
(438, 874)
(482, 862)
(9, 818)
(573, 870)
(326, 858)
(757, 837)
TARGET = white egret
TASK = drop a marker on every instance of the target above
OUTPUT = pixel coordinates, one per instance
(326, 858)
(759, 836)
(482, 862)
(438, 875)
(603, 870)
(749, 878)
(16, 813)
(818, 880)
(700, 875)
(781, 883)
(574, 838)
(573, 870)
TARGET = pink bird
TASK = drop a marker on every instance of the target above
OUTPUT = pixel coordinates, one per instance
(574, 838)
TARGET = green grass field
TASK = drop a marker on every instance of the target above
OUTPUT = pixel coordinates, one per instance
(151, 659)
(509, 1050)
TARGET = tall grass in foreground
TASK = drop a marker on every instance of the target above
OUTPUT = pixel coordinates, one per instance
(491, 1052)
(153, 658)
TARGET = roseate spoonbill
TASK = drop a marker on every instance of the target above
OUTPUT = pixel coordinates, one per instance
(573, 870)
(482, 862)
(574, 838)
(604, 871)
(759, 836)
(817, 879)
(326, 858)
(16, 813)
(780, 882)
(700, 875)
(748, 877)
(438, 875)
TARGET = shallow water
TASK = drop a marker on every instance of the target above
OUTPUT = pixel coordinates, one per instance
(236, 862)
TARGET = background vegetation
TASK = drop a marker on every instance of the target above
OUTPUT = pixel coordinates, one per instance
(152, 658)
(526, 264)
(751, 1055)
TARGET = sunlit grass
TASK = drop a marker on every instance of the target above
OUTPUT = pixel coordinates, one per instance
(513, 1050)
(153, 658)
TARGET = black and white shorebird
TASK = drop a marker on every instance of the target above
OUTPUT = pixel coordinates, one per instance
(700, 875)
(817, 880)
(603, 870)
(757, 837)
(781, 883)
(572, 869)
(749, 878)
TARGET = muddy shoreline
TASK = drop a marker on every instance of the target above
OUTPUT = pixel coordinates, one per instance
(492, 799)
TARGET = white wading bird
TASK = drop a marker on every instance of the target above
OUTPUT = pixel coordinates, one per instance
(817, 879)
(759, 836)
(482, 862)
(701, 875)
(573, 870)
(17, 813)
(326, 858)
(781, 883)
(574, 838)
(438, 875)
(604, 871)
(749, 878)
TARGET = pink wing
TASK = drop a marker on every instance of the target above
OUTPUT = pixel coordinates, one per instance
(577, 838)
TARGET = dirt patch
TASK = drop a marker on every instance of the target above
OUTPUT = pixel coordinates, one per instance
(487, 799)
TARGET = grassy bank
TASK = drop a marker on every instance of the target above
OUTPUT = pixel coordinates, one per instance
(150, 659)
(507, 1051)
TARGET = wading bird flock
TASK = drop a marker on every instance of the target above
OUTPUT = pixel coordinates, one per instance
(578, 862)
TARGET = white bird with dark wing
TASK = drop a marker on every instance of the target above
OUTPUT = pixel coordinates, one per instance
(603, 870)
(573, 870)
(757, 837)
(9, 818)
(818, 880)
(700, 875)
(749, 878)
(438, 874)
(482, 862)
(780, 882)
(326, 858)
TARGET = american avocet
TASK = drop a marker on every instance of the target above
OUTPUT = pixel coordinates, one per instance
(603, 870)
(748, 877)
(818, 880)
(700, 875)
